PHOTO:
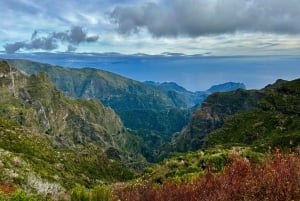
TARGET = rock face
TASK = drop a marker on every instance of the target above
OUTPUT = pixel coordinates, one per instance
(79, 140)
(44, 108)
(211, 116)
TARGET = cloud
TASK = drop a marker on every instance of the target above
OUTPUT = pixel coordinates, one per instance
(73, 37)
(13, 47)
(71, 48)
(204, 17)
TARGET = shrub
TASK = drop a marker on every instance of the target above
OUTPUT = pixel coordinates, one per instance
(252, 156)
(215, 162)
(275, 178)
(80, 193)
(20, 195)
(98, 193)
(3, 197)
(101, 193)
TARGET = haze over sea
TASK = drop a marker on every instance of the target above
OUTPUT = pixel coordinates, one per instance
(194, 72)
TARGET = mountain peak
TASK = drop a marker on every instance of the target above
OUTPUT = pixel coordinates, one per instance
(172, 86)
(228, 86)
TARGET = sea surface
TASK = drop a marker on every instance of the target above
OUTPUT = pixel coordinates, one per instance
(194, 72)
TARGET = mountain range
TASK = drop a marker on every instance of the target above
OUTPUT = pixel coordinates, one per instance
(50, 141)
(152, 111)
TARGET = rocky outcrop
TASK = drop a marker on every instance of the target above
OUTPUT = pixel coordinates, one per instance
(212, 115)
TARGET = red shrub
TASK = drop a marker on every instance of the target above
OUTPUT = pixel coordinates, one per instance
(274, 179)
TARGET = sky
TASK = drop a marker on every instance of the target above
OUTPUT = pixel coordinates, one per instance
(207, 27)
(195, 43)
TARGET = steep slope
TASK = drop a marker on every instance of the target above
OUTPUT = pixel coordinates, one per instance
(152, 111)
(56, 139)
(113, 90)
(267, 117)
(127, 97)
(212, 114)
(80, 121)
(274, 123)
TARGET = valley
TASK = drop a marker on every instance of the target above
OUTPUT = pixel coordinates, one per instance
(149, 100)
(84, 132)
(152, 111)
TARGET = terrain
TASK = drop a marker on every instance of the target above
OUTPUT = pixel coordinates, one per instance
(241, 144)
(152, 111)
(274, 122)
(49, 142)
(262, 118)
(245, 146)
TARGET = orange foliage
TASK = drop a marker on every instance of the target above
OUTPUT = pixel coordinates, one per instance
(274, 179)
(6, 189)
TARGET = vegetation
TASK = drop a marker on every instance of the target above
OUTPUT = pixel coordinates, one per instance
(274, 123)
(56, 148)
(154, 109)
(98, 193)
(20, 195)
(275, 178)
(260, 118)
(48, 142)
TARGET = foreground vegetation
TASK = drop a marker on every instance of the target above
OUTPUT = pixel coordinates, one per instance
(275, 178)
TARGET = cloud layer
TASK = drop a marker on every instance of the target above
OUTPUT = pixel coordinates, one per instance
(220, 27)
(73, 37)
(203, 17)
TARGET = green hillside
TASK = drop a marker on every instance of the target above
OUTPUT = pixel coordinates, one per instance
(49, 142)
(275, 122)
(133, 101)
(211, 116)
(263, 118)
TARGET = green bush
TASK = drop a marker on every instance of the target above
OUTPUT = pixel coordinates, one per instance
(98, 193)
(216, 161)
(20, 195)
(252, 155)
(148, 170)
(80, 193)
(101, 193)
(3, 197)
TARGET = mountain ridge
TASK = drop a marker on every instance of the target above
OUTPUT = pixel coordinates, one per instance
(152, 112)
(274, 123)
(193, 99)
(244, 117)
(63, 140)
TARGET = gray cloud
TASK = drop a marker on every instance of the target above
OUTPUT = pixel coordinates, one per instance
(71, 48)
(203, 17)
(73, 37)
(13, 47)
